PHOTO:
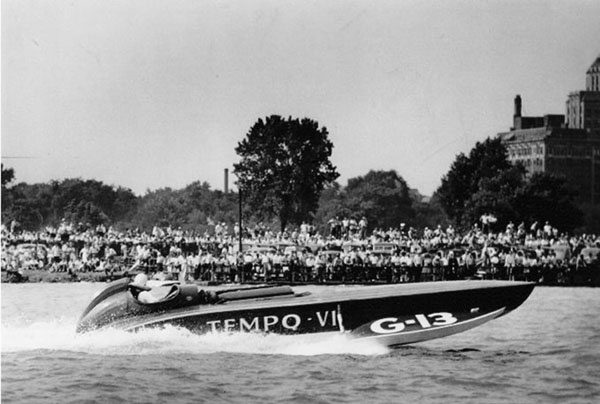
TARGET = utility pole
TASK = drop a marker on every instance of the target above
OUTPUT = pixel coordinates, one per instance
(241, 268)
(240, 218)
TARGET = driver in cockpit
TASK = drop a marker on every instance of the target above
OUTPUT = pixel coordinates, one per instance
(144, 296)
(165, 292)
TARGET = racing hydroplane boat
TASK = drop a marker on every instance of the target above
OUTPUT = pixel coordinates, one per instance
(390, 314)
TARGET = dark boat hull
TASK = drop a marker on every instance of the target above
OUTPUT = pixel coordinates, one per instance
(391, 314)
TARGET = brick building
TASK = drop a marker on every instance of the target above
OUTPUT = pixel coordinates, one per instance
(583, 107)
(568, 144)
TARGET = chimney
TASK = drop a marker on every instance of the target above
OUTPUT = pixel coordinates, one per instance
(517, 122)
(227, 180)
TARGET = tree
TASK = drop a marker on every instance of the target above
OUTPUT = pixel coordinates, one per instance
(486, 182)
(486, 160)
(497, 195)
(191, 208)
(7, 200)
(284, 167)
(7, 175)
(90, 201)
(331, 204)
(591, 218)
(548, 197)
(382, 197)
(428, 213)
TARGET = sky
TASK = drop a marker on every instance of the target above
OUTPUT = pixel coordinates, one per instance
(147, 94)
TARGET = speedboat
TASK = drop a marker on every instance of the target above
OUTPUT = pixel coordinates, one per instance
(390, 314)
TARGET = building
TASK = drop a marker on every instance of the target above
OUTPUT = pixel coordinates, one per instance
(583, 107)
(567, 145)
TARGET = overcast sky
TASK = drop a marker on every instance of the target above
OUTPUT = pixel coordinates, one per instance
(153, 93)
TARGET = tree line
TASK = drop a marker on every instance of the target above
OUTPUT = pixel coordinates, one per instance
(381, 196)
(286, 177)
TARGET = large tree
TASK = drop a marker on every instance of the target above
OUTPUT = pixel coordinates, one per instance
(383, 197)
(331, 204)
(496, 195)
(549, 197)
(428, 212)
(486, 182)
(486, 160)
(285, 165)
(8, 175)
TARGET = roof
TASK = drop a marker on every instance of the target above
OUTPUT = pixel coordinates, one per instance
(595, 66)
(532, 134)
(537, 134)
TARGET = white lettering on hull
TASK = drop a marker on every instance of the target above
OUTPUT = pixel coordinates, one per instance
(213, 325)
(390, 325)
(322, 318)
(268, 321)
(229, 324)
(252, 326)
(285, 322)
(325, 319)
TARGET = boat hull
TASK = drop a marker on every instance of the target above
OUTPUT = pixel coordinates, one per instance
(390, 314)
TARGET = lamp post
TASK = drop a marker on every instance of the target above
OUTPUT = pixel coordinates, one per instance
(240, 218)
(240, 232)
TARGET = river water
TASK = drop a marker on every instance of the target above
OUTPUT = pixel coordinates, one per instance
(546, 351)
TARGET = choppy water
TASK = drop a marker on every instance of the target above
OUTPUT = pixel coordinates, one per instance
(546, 351)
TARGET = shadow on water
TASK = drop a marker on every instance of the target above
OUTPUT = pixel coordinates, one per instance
(463, 350)
(465, 353)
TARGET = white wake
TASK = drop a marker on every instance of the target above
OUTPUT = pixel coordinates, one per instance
(60, 335)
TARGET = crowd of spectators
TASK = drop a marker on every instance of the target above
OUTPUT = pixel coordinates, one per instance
(347, 253)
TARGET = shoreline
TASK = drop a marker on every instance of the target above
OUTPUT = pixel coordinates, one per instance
(43, 276)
